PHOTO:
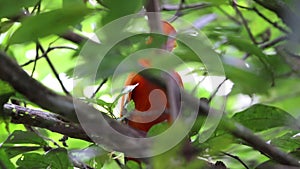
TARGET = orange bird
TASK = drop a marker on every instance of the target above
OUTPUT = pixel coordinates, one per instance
(151, 100)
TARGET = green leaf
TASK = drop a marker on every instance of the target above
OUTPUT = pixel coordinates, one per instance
(216, 2)
(245, 81)
(32, 160)
(58, 158)
(5, 92)
(158, 129)
(262, 117)
(288, 142)
(13, 151)
(4, 160)
(279, 65)
(197, 125)
(14, 7)
(250, 48)
(285, 95)
(5, 88)
(5, 26)
(133, 164)
(246, 46)
(24, 137)
(53, 22)
(267, 164)
(103, 103)
(130, 106)
(185, 53)
(55, 159)
(119, 8)
(111, 164)
(273, 164)
(218, 142)
(90, 155)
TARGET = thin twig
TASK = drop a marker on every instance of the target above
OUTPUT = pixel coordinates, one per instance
(73, 37)
(237, 158)
(274, 42)
(61, 47)
(183, 9)
(216, 91)
(44, 137)
(36, 7)
(53, 69)
(178, 11)
(275, 24)
(229, 16)
(168, 7)
(200, 81)
(121, 165)
(46, 52)
(235, 6)
(29, 62)
(246, 56)
(99, 87)
(245, 23)
(35, 59)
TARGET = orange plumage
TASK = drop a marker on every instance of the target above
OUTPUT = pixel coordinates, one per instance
(142, 92)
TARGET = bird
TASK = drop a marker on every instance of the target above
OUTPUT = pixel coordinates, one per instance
(150, 99)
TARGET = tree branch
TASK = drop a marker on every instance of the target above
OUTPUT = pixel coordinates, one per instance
(33, 90)
(50, 121)
(275, 24)
(168, 7)
(245, 23)
(273, 42)
(154, 19)
(257, 143)
(73, 37)
(283, 11)
(233, 127)
(65, 106)
(51, 65)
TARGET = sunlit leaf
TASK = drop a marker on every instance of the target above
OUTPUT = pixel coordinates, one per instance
(289, 142)
(4, 160)
(5, 93)
(31, 160)
(247, 46)
(133, 164)
(262, 117)
(58, 158)
(55, 158)
(25, 137)
(88, 153)
(5, 26)
(53, 22)
(245, 81)
(119, 8)
(158, 129)
(218, 142)
(13, 151)
(14, 7)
